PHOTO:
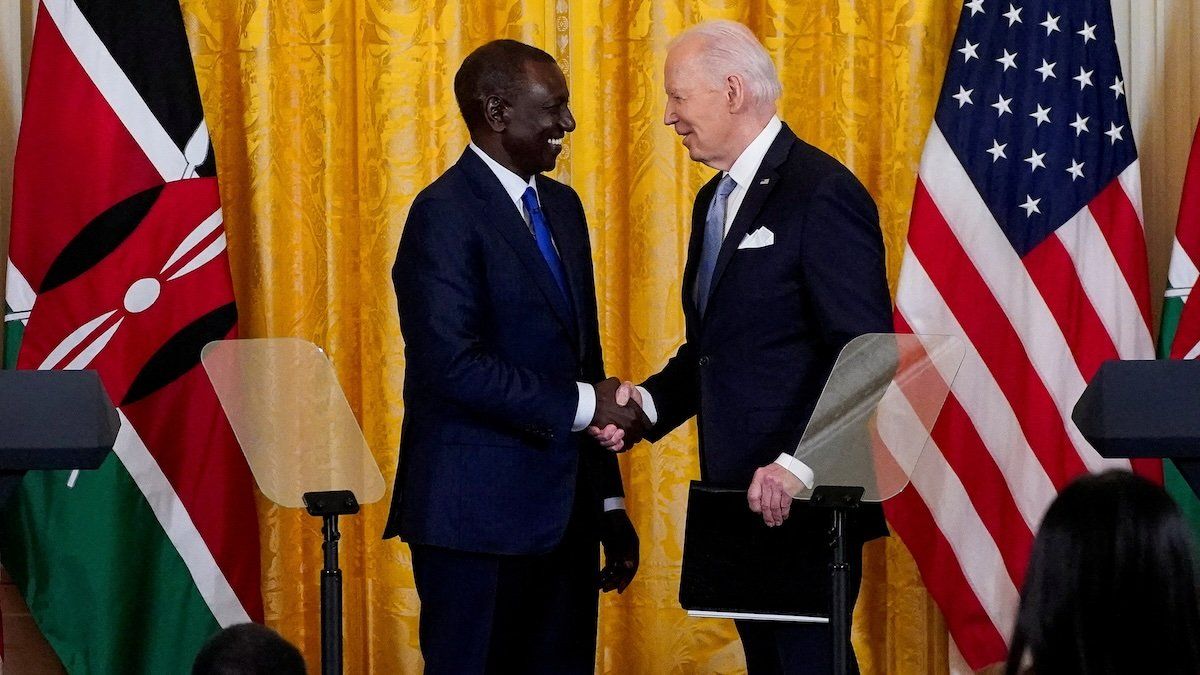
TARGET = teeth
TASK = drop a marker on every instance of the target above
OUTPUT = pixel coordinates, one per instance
(555, 141)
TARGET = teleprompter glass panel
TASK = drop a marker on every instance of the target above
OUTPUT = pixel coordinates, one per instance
(291, 418)
(875, 414)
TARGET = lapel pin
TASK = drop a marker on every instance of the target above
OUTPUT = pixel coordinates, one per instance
(764, 181)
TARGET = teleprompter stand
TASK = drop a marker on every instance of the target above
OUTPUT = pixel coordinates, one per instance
(865, 436)
(303, 446)
(839, 499)
(328, 505)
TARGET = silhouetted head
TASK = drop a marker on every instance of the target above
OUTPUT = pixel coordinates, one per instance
(1111, 584)
(248, 649)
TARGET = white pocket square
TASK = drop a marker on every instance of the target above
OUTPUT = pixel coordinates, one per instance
(760, 238)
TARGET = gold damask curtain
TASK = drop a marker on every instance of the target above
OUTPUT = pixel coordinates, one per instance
(329, 115)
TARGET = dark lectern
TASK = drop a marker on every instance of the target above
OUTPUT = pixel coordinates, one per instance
(52, 419)
(1145, 409)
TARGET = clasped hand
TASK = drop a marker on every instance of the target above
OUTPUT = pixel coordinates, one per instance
(619, 421)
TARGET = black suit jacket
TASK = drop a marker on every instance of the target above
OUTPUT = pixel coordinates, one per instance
(754, 365)
(488, 462)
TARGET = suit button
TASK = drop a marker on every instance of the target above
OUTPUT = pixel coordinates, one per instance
(703, 361)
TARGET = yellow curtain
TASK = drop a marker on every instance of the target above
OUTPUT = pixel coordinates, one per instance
(328, 116)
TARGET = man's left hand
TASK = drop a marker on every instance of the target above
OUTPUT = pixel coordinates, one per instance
(771, 493)
(620, 551)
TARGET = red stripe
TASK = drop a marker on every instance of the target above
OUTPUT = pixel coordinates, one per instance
(959, 442)
(987, 327)
(977, 637)
(74, 159)
(1053, 272)
(1122, 228)
(1187, 334)
(186, 432)
(1187, 229)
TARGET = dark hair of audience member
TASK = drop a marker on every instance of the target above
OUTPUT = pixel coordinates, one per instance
(1111, 584)
(248, 649)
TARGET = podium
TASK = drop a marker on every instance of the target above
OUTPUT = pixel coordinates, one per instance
(303, 445)
(52, 420)
(1144, 409)
(863, 440)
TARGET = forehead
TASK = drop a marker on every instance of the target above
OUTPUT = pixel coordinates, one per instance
(679, 69)
(544, 80)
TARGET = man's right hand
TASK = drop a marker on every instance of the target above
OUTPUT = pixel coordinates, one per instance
(619, 421)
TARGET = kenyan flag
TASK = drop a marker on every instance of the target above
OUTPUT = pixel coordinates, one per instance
(1180, 334)
(118, 264)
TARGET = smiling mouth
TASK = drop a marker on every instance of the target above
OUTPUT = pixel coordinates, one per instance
(555, 142)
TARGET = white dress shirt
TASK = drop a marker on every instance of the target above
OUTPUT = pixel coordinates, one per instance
(743, 171)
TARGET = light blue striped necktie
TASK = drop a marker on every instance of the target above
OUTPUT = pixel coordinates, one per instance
(714, 234)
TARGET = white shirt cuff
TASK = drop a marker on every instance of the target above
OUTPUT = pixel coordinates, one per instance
(614, 503)
(648, 406)
(798, 469)
(587, 407)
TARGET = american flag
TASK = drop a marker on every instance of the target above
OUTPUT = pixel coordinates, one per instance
(1026, 241)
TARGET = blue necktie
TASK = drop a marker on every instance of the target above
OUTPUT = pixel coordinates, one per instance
(714, 234)
(545, 244)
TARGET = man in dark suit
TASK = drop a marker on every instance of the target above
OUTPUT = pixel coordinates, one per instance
(499, 495)
(785, 266)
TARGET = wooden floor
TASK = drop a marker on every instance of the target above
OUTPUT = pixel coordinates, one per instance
(25, 650)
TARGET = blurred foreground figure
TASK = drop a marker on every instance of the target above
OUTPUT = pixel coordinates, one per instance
(1111, 584)
(248, 649)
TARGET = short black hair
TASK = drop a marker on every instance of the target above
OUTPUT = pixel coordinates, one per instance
(1111, 584)
(248, 649)
(496, 68)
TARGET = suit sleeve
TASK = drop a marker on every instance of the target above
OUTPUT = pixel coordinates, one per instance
(438, 276)
(843, 262)
(676, 392)
(600, 465)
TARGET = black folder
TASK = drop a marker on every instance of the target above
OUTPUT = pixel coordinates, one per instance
(735, 566)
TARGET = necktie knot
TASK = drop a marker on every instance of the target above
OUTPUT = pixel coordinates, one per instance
(726, 186)
(529, 199)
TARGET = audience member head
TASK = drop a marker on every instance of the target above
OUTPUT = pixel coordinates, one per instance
(1111, 584)
(248, 649)
(514, 100)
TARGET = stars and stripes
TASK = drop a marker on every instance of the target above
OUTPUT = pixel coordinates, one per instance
(1025, 240)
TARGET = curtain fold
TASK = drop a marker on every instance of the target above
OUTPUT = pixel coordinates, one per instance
(329, 117)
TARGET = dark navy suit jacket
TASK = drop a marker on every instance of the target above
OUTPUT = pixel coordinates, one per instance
(488, 462)
(754, 365)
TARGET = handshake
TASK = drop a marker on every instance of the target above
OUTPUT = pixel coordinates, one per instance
(619, 421)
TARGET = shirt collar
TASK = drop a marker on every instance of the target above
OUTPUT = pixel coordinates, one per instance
(747, 163)
(512, 183)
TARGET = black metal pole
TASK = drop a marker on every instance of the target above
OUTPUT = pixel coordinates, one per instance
(839, 619)
(331, 601)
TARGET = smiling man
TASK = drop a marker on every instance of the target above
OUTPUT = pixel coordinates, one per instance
(500, 496)
(785, 266)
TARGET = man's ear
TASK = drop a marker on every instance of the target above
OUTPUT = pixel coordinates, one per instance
(495, 113)
(735, 93)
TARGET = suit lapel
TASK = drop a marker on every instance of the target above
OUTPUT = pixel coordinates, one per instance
(572, 249)
(757, 192)
(497, 208)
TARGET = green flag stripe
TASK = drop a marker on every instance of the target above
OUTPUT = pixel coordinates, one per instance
(1178, 488)
(95, 616)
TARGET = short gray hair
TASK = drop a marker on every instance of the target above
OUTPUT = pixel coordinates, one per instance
(729, 48)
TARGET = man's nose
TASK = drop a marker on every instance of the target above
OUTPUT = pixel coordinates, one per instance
(669, 116)
(568, 120)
